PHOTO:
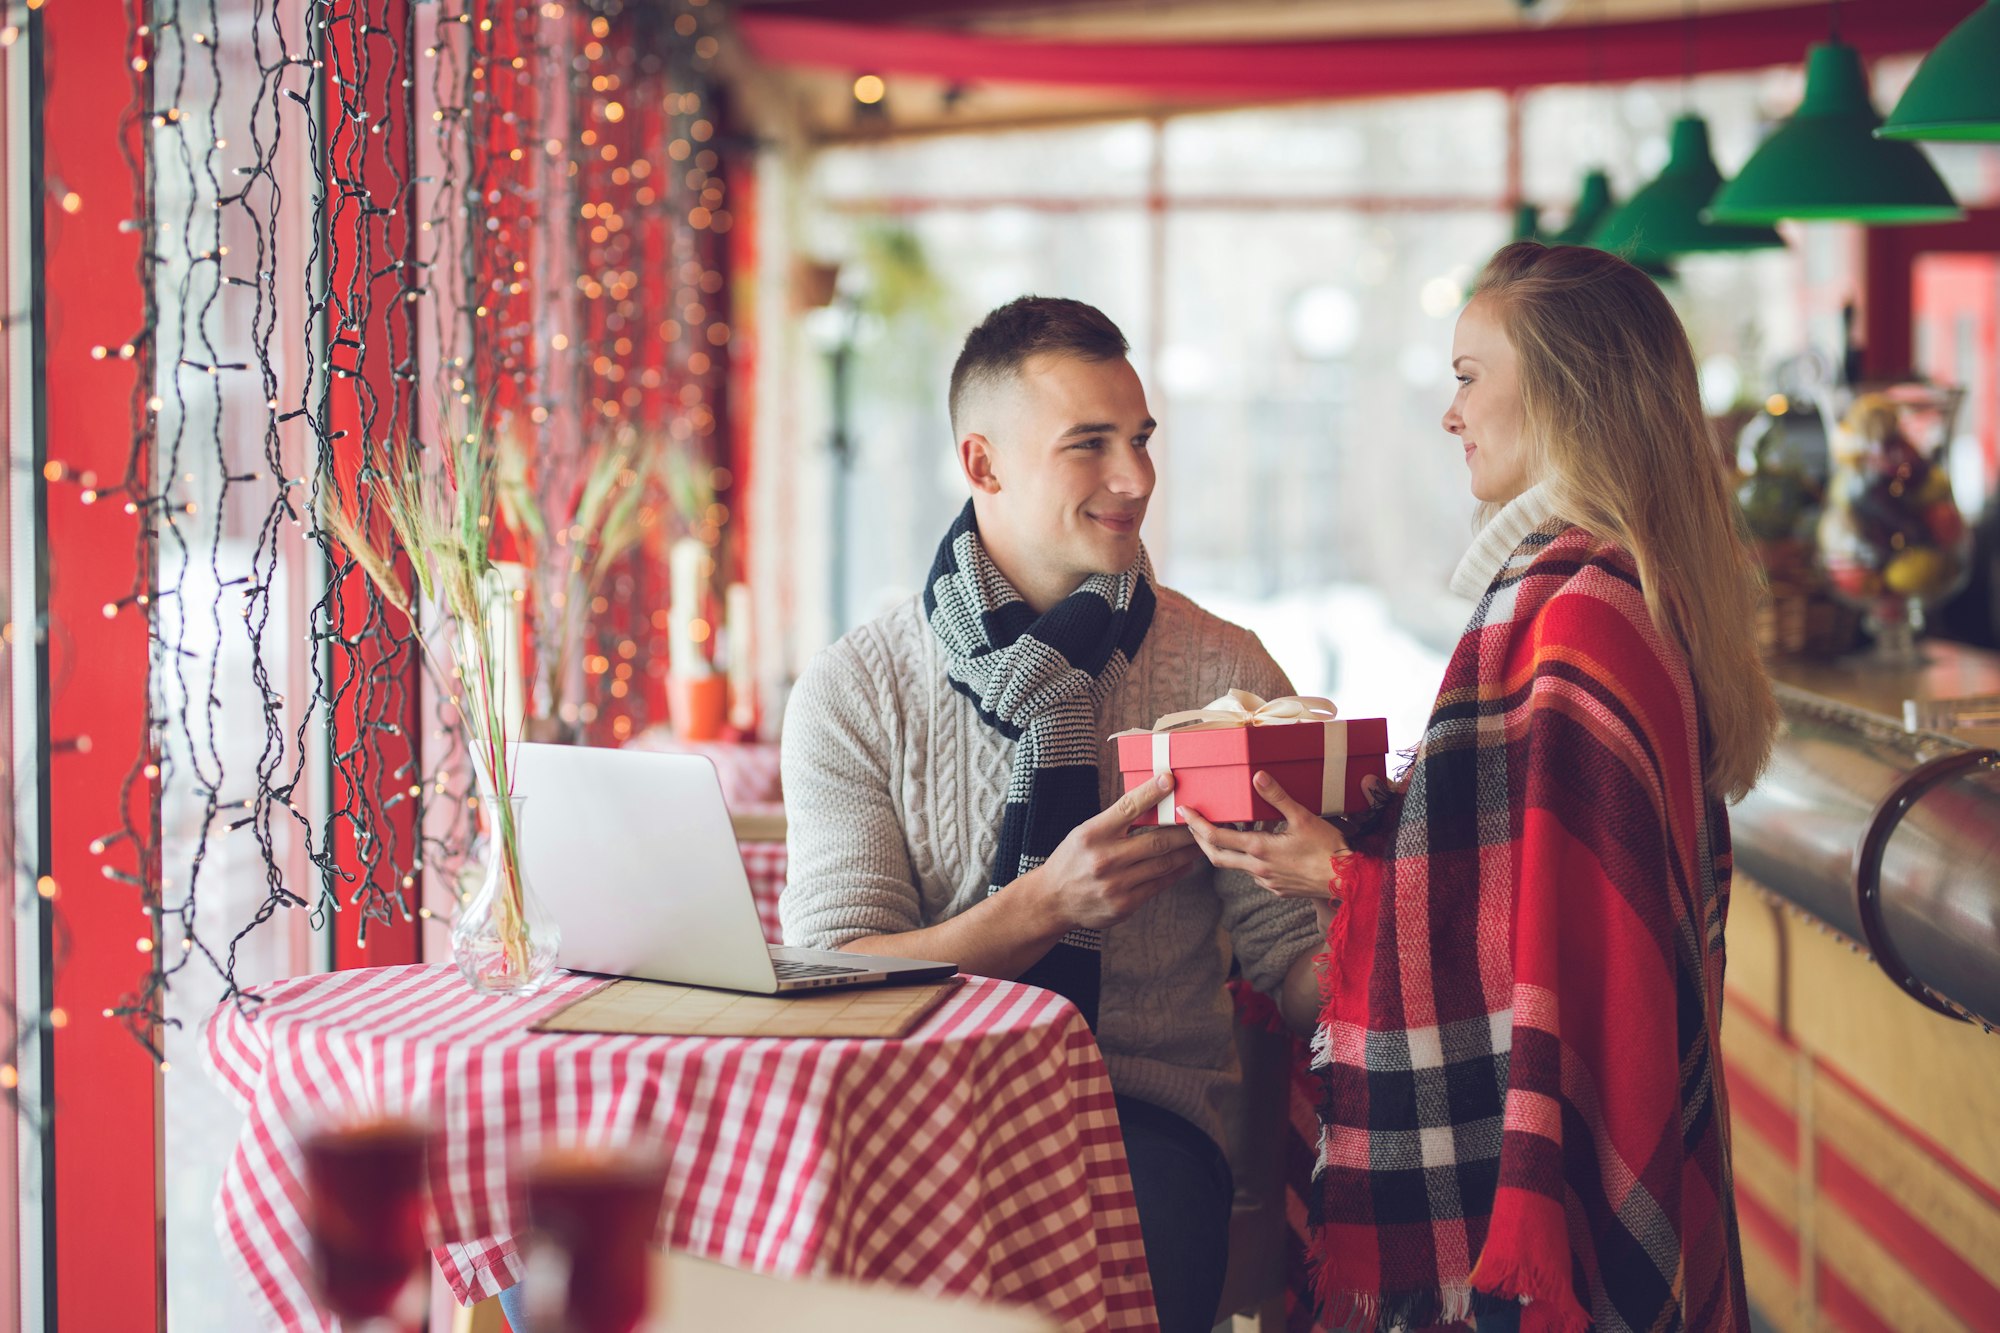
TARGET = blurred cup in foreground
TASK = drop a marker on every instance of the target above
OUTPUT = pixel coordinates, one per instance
(592, 1213)
(365, 1213)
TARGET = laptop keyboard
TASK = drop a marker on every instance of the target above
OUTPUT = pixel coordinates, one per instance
(789, 970)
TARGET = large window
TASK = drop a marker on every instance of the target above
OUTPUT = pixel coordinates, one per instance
(1289, 279)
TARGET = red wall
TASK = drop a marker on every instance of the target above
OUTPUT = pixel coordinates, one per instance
(106, 1089)
(1956, 303)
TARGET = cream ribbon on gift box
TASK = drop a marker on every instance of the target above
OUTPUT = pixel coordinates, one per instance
(1241, 708)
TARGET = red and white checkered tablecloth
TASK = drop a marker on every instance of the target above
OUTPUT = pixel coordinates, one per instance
(766, 864)
(980, 1156)
(748, 770)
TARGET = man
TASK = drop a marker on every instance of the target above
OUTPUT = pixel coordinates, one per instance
(951, 794)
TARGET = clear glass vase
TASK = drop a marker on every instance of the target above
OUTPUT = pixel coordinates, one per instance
(502, 938)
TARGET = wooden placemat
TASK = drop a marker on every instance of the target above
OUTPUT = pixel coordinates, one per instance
(660, 1009)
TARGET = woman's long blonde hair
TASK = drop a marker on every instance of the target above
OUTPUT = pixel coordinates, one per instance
(1614, 426)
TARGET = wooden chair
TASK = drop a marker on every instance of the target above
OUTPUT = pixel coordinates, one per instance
(484, 1317)
(695, 1296)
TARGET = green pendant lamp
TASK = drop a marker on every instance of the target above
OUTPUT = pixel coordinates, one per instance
(1527, 223)
(1594, 204)
(1825, 163)
(1956, 91)
(1664, 218)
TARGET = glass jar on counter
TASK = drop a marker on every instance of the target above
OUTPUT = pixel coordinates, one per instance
(1892, 539)
(1782, 462)
(1782, 456)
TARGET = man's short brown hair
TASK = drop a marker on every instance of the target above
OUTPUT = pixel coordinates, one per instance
(1030, 326)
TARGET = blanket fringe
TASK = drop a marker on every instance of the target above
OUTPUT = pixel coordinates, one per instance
(1404, 1312)
(1322, 1047)
(1329, 985)
(1548, 1302)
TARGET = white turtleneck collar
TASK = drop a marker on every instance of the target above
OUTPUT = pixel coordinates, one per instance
(1498, 538)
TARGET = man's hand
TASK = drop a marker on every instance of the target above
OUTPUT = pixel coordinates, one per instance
(1105, 870)
(1102, 873)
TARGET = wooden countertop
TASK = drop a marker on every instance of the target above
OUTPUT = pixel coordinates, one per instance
(1948, 671)
(759, 825)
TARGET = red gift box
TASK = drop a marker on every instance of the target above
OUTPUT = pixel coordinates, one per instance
(1213, 761)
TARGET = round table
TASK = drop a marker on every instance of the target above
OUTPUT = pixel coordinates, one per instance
(978, 1156)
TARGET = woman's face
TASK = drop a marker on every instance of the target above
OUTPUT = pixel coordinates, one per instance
(1486, 414)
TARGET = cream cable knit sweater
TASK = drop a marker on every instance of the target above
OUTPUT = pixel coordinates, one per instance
(1494, 542)
(893, 791)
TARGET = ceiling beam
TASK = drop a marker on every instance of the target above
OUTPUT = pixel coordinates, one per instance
(1246, 20)
(1226, 72)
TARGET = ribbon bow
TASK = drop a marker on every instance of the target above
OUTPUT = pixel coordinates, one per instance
(1240, 708)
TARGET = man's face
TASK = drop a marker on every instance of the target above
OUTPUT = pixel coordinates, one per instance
(1071, 472)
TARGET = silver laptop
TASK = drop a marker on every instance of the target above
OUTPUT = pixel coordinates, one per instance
(635, 856)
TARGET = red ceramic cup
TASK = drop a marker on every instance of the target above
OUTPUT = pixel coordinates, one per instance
(698, 706)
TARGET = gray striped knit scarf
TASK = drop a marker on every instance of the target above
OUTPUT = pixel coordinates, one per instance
(1037, 680)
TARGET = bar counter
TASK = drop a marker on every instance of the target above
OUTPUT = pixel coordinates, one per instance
(1886, 831)
(1863, 1103)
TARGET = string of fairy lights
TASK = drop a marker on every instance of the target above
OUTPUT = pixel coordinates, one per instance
(329, 76)
(477, 218)
(651, 203)
(361, 223)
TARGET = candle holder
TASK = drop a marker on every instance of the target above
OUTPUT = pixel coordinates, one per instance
(698, 706)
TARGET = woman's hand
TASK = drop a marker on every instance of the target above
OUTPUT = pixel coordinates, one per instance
(1294, 862)
(1380, 791)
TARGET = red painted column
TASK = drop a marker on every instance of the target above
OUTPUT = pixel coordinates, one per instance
(1886, 282)
(104, 1270)
(371, 230)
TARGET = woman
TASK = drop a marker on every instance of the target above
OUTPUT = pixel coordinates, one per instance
(1524, 1121)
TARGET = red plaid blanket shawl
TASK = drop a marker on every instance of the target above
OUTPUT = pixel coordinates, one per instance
(1523, 1094)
